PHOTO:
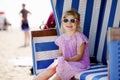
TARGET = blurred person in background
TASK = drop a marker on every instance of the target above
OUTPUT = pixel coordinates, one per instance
(25, 25)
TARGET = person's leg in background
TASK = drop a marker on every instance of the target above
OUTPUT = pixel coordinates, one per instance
(27, 38)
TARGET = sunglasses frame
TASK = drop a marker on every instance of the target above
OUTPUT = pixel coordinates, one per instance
(72, 20)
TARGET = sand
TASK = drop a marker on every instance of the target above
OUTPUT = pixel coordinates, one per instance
(12, 54)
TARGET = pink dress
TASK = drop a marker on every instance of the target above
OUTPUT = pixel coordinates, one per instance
(66, 70)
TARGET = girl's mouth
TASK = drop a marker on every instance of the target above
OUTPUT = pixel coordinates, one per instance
(69, 26)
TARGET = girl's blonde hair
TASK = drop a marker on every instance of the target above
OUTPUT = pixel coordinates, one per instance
(76, 15)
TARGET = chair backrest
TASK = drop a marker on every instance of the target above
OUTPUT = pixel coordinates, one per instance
(96, 17)
(44, 50)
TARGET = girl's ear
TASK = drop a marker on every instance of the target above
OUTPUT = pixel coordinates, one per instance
(78, 26)
(78, 23)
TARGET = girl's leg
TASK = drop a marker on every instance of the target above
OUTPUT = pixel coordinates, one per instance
(55, 77)
(45, 75)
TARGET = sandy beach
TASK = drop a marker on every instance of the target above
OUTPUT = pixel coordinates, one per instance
(15, 60)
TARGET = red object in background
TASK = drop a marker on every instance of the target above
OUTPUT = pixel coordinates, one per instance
(2, 13)
(50, 22)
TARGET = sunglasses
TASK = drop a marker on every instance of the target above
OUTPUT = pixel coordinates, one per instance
(65, 20)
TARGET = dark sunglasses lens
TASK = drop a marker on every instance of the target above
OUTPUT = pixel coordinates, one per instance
(72, 20)
(65, 20)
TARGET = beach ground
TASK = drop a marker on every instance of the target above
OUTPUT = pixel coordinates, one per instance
(15, 60)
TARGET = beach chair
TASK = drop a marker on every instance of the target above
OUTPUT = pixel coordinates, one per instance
(96, 17)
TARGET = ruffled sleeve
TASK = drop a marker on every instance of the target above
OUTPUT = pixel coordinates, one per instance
(81, 38)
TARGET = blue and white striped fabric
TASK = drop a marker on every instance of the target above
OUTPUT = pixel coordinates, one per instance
(44, 52)
(96, 17)
(96, 72)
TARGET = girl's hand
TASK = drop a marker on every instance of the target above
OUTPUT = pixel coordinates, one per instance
(67, 59)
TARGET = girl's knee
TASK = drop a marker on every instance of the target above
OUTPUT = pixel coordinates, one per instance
(55, 77)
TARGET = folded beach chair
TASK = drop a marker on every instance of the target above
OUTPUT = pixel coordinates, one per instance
(96, 17)
(44, 50)
(114, 53)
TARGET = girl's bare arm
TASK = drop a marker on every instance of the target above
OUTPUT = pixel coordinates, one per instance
(60, 51)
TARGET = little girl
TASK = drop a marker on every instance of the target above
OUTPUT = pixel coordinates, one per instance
(73, 51)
